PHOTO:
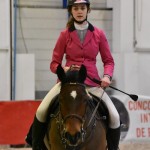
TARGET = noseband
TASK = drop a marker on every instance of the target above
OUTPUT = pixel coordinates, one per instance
(73, 116)
(84, 134)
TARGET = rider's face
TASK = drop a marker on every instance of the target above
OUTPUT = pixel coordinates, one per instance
(79, 11)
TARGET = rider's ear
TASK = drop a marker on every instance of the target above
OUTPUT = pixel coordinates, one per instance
(61, 73)
(82, 73)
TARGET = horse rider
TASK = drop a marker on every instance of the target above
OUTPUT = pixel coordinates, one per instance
(80, 42)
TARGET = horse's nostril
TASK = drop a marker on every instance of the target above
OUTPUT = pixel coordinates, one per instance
(67, 135)
(78, 135)
(73, 139)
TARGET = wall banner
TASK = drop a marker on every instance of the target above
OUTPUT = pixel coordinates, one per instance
(135, 117)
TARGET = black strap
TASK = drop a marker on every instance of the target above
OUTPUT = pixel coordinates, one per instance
(94, 80)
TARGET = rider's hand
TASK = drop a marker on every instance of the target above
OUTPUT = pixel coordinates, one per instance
(105, 82)
(75, 67)
(66, 68)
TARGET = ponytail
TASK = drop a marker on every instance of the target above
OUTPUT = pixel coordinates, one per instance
(70, 22)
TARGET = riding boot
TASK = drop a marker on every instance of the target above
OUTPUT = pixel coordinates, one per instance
(113, 137)
(38, 134)
(28, 138)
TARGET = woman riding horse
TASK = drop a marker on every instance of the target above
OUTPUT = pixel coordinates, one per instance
(76, 123)
(81, 42)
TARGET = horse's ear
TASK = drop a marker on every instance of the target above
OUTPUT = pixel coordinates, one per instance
(61, 73)
(82, 73)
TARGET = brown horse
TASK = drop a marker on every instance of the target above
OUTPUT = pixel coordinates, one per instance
(74, 126)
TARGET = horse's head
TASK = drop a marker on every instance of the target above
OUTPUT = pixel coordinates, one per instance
(73, 101)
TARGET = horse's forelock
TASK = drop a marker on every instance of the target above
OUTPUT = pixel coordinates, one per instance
(73, 75)
(76, 74)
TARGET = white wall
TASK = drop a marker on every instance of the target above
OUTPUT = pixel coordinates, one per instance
(25, 75)
(109, 3)
(47, 3)
(4, 50)
(4, 25)
(142, 24)
(132, 67)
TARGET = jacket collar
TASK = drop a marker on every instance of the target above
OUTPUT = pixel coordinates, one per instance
(75, 37)
(91, 28)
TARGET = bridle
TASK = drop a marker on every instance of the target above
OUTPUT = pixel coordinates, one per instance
(86, 126)
(86, 132)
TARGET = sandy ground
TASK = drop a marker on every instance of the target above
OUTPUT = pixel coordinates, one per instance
(135, 146)
(129, 146)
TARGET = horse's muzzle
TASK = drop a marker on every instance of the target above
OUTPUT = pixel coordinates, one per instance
(73, 140)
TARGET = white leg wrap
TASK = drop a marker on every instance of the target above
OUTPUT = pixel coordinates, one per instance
(114, 121)
(42, 110)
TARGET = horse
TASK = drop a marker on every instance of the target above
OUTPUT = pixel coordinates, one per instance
(74, 125)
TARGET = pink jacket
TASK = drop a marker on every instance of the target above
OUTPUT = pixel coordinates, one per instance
(84, 53)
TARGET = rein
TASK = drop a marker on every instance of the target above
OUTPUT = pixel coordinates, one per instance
(95, 110)
(94, 80)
